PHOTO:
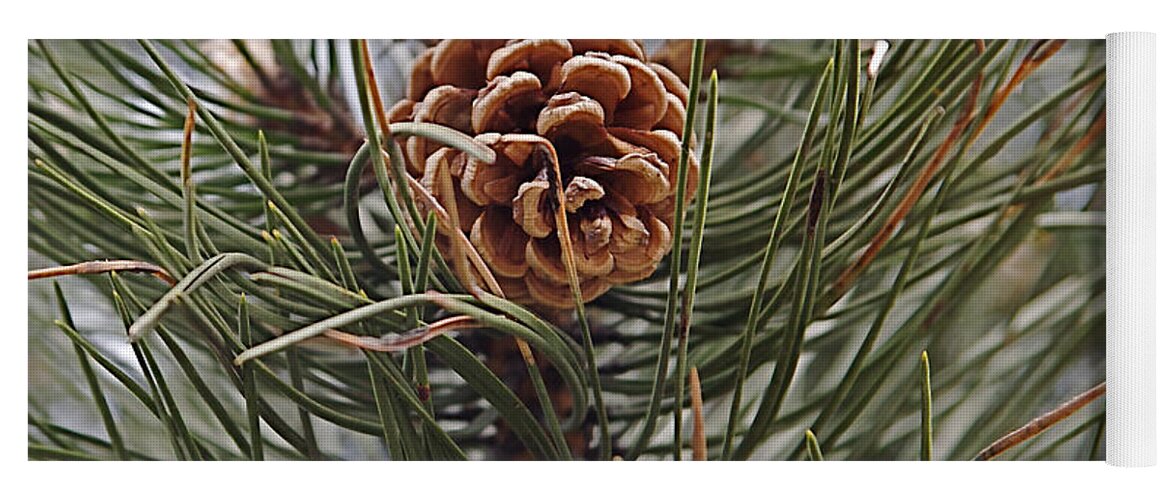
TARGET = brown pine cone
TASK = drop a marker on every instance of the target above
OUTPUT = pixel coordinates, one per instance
(613, 122)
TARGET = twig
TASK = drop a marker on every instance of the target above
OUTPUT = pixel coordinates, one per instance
(1041, 424)
(103, 266)
(1038, 54)
(698, 436)
(546, 155)
(917, 188)
(189, 221)
(1087, 140)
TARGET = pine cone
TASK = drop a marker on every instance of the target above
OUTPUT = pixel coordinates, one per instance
(613, 122)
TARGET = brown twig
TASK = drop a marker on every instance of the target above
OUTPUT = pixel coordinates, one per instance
(192, 243)
(1068, 108)
(1040, 424)
(698, 436)
(916, 191)
(1038, 54)
(1067, 159)
(188, 131)
(1063, 163)
(547, 155)
(103, 266)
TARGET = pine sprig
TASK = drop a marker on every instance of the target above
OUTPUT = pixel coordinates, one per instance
(867, 202)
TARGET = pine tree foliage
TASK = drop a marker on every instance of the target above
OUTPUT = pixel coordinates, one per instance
(287, 298)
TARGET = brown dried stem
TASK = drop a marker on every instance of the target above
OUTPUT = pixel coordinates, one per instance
(1038, 54)
(1041, 424)
(103, 266)
(916, 191)
(698, 436)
